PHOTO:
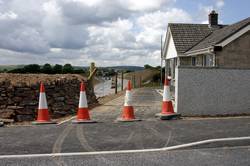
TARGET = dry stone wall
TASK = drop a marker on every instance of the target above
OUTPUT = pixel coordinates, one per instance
(19, 94)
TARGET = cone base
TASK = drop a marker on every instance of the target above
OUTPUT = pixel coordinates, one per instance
(43, 122)
(168, 116)
(127, 120)
(83, 121)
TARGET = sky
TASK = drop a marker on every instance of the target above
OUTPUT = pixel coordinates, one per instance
(107, 32)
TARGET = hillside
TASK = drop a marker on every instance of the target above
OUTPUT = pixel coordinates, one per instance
(10, 67)
(143, 76)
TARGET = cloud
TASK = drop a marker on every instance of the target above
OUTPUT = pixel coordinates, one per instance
(154, 24)
(220, 3)
(142, 5)
(8, 15)
(109, 32)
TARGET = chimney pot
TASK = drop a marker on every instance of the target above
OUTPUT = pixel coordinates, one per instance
(213, 18)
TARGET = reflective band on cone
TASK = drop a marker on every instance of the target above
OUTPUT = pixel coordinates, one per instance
(128, 110)
(167, 106)
(43, 112)
(83, 111)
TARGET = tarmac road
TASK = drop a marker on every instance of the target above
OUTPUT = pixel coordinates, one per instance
(107, 135)
(212, 156)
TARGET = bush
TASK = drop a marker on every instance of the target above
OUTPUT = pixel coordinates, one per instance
(32, 68)
(79, 71)
(147, 66)
(67, 68)
(47, 69)
(57, 69)
(18, 70)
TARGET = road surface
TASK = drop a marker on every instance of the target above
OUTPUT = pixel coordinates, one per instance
(104, 88)
(107, 135)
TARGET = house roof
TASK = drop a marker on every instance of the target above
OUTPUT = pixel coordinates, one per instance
(192, 37)
(220, 35)
(186, 36)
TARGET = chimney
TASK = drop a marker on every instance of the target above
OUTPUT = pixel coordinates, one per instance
(213, 18)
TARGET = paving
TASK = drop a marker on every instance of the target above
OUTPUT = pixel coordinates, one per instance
(108, 135)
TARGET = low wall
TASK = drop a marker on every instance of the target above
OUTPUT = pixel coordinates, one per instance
(19, 94)
(212, 91)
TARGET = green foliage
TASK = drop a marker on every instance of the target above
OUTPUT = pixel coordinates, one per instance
(18, 70)
(79, 71)
(57, 69)
(147, 66)
(47, 69)
(67, 68)
(32, 68)
(3, 70)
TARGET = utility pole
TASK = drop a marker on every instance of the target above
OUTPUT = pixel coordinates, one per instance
(134, 81)
(122, 82)
(116, 75)
(140, 82)
(161, 61)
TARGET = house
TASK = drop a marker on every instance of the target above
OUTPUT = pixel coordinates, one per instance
(207, 45)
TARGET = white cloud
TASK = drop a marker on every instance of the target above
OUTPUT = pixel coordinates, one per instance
(109, 32)
(8, 15)
(154, 24)
(141, 5)
(220, 3)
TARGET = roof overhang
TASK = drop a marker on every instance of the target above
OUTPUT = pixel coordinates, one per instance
(236, 35)
(166, 42)
(209, 50)
(220, 45)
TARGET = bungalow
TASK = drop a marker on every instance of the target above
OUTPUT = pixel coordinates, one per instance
(207, 45)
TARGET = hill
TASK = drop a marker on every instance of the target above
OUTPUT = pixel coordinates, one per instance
(10, 67)
(143, 76)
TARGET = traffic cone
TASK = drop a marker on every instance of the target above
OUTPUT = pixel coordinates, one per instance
(43, 112)
(128, 110)
(167, 106)
(83, 111)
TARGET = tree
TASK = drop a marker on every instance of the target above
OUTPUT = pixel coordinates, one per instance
(79, 71)
(32, 68)
(57, 69)
(18, 70)
(47, 69)
(67, 68)
(147, 66)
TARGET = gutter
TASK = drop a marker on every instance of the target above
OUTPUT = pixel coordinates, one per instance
(208, 50)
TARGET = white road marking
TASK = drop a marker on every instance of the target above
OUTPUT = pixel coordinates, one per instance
(160, 91)
(127, 151)
(64, 121)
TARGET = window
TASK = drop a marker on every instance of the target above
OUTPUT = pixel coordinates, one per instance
(210, 60)
(204, 60)
(193, 59)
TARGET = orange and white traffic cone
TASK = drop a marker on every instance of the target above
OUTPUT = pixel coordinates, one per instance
(128, 110)
(43, 112)
(167, 106)
(83, 111)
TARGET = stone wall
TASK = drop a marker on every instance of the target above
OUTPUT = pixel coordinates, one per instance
(19, 94)
(212, 91)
